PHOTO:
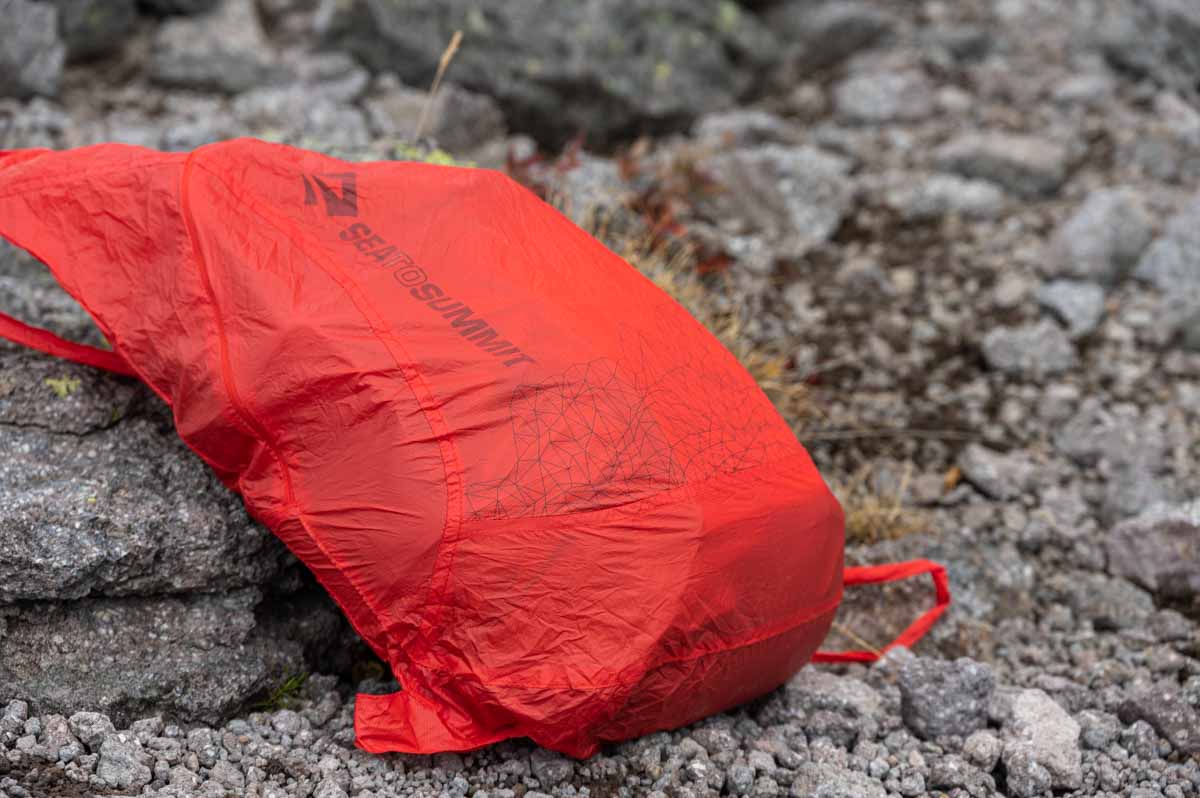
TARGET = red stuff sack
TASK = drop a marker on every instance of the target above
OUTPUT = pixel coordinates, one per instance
(540, 490)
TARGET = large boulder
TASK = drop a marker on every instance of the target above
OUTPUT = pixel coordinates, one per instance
(603, 68)
(131, 580)
(91, 28)
(31, 55)
(224, 50)
(195, 658)
(126, 511)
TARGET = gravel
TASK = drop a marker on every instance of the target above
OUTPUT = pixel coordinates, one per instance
(969, 229)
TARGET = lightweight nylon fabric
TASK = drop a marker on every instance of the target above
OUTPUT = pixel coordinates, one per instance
(538, 488)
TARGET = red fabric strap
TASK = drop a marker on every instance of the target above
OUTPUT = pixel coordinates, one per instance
(893, 572)
(21, 333)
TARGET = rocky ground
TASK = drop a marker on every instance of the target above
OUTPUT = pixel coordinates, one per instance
(965, 232)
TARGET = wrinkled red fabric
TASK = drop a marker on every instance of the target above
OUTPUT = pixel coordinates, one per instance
(543, 493)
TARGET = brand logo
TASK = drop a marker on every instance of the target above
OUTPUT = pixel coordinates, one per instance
(344, 204)
(457, 314)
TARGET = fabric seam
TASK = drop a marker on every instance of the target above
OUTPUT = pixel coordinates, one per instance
(452, 470)
(790, 625)
(241, 411)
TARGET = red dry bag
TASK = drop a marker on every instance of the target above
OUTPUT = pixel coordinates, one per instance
(539, 489)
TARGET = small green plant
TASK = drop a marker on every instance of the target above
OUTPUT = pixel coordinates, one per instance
(284, 696)
(63, 386)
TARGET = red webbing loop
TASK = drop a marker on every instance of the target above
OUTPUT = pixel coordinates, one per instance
(894, 572)
(21, 333)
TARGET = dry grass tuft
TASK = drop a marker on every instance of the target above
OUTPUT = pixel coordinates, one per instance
(673, 267)
(871, 516)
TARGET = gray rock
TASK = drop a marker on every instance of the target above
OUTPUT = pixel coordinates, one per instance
(196, 658)
(1160, 551)
(1155, 38)
(793, 198)
(228, 775)
(329, 788)
(34, 123)
(224, 50)
(16, 712)
(983, 749)
(1043, 733)
(1107, 602)
(179, 6)
(889, 96)
(458, 120)
(744, 127)
(739, 779)
(56, 735)
(551, 769)
(91, 728)
(94, 27)
(315, 109)
(1163, 707)
(1172, 265)
(817, 35)
(648, 65)
(812, 690)
(1033, 351)
(31, 55)
(285, 721)
(950, 772)
(1079, 305)
(1104, 238)
(1127, 448)
(1025, 776)
(128, 510)
(180, 776)
(1099, 729)
(121, 764)
(825, 780)
(932, 198)
(592, 193)
(1085, 89)
(996, 475)
(1027, 166)
(940, 698)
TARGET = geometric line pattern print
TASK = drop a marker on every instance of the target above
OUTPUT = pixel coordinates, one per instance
(720, 422)
(605, 433)
(583, 440)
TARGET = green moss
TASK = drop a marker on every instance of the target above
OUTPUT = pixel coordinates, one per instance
(63, 386)
(728, 16)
